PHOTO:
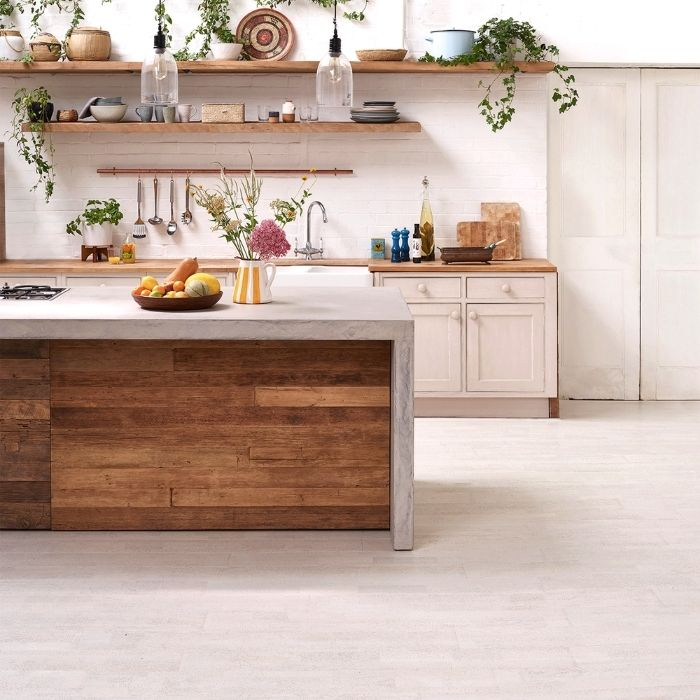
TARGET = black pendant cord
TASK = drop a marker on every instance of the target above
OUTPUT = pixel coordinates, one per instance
(335, 47)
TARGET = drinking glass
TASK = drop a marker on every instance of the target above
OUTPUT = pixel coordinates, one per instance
(263, 112)
(309, 112)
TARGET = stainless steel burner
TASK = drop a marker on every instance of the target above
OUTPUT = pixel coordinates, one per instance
(31, 292)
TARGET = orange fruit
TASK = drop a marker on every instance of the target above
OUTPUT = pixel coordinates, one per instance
(138, 290)
(145, 292)
(178, 286)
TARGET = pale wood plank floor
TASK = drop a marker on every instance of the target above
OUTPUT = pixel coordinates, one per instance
(555, 560)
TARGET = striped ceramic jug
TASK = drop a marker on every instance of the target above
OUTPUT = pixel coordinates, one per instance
(253, 281)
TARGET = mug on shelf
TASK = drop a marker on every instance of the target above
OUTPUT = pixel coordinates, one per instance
(186, 113)
(170, 113)
(145, 112)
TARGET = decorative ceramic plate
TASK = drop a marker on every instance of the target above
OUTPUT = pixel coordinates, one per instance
(267, 35)
(186, 304)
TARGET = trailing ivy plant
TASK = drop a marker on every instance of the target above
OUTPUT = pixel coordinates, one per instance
(37, 8)
(355, 15)
(6, 9)
(34, 146)
(214, 19)
(504, 41)
(96, 212)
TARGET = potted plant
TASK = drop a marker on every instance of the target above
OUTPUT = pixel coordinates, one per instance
(11, 39)
(503, 42)
(228, 47)
(97, 222)
(232, 208)
(34, 107)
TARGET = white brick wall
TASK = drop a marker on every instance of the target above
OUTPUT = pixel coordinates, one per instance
(467, 164)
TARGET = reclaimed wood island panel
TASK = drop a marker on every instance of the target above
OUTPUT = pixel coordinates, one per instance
(220, 435)
(294, 415)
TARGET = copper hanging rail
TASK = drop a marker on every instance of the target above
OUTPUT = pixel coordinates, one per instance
(215, 171)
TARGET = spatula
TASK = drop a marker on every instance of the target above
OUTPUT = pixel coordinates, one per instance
(139, 227)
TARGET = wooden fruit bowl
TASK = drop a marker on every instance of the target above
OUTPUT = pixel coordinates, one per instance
(188, 304)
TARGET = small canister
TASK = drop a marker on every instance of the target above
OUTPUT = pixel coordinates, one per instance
(288, 111)
(273, 117)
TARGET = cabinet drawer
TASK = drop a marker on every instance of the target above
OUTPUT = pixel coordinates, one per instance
(104, 281)
(506, 288)
(418, 288)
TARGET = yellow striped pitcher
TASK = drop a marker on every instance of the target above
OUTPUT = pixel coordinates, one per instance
(253, 281)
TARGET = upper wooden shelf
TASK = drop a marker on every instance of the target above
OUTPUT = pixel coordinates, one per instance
(259, 67)
(211, 128)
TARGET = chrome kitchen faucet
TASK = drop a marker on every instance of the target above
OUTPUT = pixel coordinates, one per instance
(308, 250)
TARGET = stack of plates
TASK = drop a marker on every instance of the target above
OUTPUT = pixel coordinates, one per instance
(375, 113)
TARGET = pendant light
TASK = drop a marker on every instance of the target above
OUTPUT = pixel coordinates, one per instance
(334, 74)
(159, 85)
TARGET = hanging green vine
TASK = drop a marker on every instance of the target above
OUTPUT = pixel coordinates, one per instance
(37, 8)
(6, 10)
(355, 15)
(504, 41)
(214, 23)
(35, 147)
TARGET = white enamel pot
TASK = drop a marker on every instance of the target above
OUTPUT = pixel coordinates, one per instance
(449, 43)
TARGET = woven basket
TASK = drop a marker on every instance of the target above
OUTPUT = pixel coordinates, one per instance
(381, 54)
(88, 44)
(11, 44)
(45, 48)
(223, 114)
(67, 115)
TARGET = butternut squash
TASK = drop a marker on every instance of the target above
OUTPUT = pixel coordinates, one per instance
(185, 269)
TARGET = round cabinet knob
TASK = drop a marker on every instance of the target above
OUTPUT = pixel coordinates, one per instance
(473, 315)
(506, 289)
(422, 288)
(455, 315)
(103, 285)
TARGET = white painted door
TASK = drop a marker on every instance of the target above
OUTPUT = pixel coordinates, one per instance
(594, 200)
(505, 347)
(670, 234)
(438, 356)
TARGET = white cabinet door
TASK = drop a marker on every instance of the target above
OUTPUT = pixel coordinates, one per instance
(594, 205)
(16, 281)
(505, 347)
(670, 235)
(438, 361)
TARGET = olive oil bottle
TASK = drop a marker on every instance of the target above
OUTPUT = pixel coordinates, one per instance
(427, 230)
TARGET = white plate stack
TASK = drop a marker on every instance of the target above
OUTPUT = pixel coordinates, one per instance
(375, 112)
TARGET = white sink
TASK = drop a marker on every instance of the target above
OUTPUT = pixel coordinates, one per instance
(322, 276)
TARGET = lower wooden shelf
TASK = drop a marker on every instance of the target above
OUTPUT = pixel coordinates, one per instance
(208, 128)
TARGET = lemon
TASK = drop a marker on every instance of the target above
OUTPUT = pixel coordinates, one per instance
(149, 282)
(212, 283)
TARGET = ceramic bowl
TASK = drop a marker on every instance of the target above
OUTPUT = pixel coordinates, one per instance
(226, 52)
(108, 113)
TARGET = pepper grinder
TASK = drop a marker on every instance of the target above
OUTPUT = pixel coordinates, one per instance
(395, 246)
(405, 250)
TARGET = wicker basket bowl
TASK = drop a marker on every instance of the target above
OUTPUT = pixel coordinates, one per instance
(89, 44)
(45, 48)
(381, 54)
(67, 115)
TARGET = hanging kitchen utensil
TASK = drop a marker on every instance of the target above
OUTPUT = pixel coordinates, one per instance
(139, 230)
(186, 217)
(155, 219)
(172, 224)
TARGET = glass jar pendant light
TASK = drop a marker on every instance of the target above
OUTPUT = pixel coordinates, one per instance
(334, 74)
(159, 85)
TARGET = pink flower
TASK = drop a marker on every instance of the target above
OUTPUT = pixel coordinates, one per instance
(268, 240)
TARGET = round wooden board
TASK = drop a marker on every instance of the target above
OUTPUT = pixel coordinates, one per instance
(267, 35)
(188, 304)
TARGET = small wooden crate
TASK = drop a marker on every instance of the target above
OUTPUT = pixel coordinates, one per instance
(223, 114)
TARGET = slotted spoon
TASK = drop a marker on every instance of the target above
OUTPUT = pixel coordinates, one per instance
(139, 230)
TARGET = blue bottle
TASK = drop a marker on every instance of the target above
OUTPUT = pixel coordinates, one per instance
(405, 250)
(395, 246)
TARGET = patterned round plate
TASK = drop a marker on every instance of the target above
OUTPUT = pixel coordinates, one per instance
(267, 35)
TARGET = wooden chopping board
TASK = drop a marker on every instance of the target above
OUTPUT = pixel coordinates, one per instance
(500, 220)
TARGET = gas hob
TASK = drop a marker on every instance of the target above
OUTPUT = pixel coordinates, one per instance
(30, 292)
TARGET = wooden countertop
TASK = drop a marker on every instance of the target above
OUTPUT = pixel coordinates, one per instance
(37, 267)
(73, 266)
(498, 267)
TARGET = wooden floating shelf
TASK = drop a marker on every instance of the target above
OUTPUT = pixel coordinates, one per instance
(260, 67)
(247, 127)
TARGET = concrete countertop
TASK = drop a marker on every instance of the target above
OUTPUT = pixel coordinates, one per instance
(295, 314)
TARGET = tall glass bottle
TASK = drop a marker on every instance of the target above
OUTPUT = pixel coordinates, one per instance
(427, 230)
(159, 83)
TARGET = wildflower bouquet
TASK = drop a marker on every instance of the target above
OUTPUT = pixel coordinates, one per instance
(232, 208)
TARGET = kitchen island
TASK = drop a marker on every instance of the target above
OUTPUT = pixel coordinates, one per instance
(291, 415)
